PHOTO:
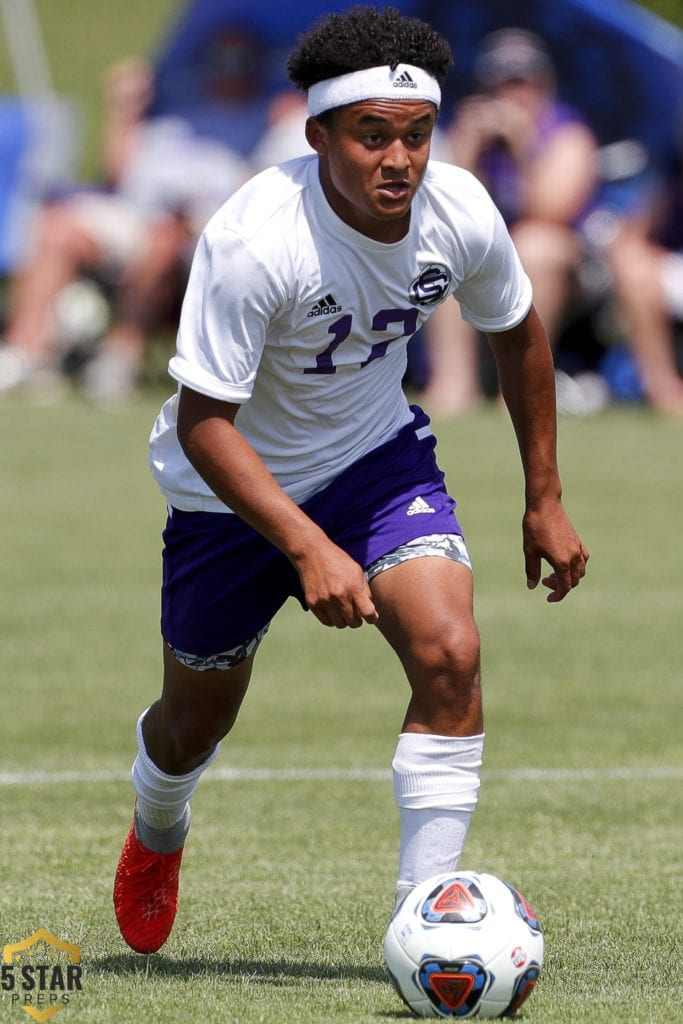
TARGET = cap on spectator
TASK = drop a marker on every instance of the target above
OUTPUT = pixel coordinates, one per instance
(512, 54)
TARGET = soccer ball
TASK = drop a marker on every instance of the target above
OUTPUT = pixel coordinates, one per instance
(464, 944)
(81, 316)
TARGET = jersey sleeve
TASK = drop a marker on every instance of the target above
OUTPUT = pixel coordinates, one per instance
(496, 294)
(229, 303)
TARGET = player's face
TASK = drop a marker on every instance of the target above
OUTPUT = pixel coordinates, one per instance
(373, 156)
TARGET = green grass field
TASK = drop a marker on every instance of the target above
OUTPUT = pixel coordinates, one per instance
(289, 871)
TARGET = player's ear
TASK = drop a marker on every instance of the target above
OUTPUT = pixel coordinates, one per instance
(316, 136)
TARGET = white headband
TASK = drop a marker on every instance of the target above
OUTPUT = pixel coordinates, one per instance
(406, 82)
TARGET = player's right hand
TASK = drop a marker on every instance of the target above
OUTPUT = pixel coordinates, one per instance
(335, 589)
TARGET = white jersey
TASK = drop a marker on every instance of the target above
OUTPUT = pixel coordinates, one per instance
(304, 321)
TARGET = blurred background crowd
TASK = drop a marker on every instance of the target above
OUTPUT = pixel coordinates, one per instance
(571, 113)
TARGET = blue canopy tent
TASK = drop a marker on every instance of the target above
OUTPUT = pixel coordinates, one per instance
(39, 132)
(14, 142)
(223, 60)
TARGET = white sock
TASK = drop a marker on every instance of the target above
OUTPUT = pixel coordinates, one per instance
(163, 799)
(436, 784)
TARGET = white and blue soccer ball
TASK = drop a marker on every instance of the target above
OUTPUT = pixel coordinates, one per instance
(465, 944)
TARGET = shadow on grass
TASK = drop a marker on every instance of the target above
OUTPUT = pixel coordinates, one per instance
(262, 972)
(269, 972)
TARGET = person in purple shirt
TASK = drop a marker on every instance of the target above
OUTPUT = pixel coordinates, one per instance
(537, 158)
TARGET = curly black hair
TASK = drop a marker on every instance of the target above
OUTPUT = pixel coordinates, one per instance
(365, 37)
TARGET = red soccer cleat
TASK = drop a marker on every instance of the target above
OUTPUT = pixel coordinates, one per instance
(146, 894)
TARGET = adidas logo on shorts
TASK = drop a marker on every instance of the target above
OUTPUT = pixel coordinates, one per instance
(419, 506)
(324, 306)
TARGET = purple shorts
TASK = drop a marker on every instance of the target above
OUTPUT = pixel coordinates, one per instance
(223, 582)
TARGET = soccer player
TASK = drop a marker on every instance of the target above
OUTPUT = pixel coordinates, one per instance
(293, 464)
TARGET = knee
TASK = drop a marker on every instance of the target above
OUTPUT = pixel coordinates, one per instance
(191, 740)
(179, 740)
(195, 737)
(62, 236)
(634, 264)
(196, 709)
(454, 651)
(545, 247)
(448, 669)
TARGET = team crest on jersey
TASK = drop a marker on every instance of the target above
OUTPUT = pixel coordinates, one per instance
(431, 285)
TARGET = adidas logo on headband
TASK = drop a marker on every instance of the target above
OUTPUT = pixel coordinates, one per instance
(404, 81)
(380, 83)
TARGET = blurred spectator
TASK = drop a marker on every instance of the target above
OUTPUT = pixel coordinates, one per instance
(162, 181)
(215, 74)
(285, 135)
(646, 261)
(538, 159)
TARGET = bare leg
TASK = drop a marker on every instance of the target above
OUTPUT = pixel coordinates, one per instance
(176, 740)
(62, 249)
(549, 253)
(148, 288)
(195, 711)
(425, 609)
(425, 612)
(636, 269)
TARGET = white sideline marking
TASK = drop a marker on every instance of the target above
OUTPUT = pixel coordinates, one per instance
(653, 773)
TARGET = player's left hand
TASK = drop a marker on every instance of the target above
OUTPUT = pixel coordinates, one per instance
(548, 534)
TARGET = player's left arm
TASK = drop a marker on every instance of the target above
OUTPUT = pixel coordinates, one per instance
(527, 381)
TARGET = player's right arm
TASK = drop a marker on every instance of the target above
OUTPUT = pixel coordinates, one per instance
(334, 586)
